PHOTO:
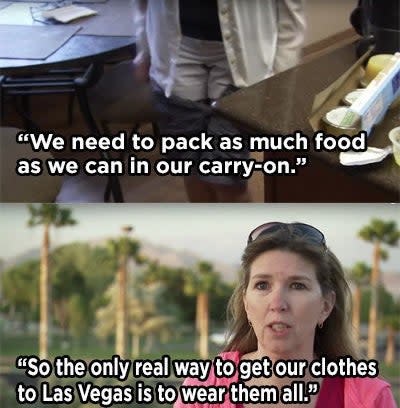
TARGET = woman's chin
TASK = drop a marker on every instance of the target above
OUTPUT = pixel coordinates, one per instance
(282, 352)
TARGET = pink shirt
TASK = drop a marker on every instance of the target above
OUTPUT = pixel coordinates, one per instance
(357, 392)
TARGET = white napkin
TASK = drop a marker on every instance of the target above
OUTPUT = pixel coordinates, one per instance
(68, 13)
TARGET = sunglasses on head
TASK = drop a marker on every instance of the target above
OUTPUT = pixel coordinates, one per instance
(298, 228)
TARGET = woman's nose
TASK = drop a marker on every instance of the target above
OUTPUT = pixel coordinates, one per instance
(278, 301)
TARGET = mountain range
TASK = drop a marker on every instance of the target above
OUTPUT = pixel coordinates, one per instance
(184, 258)
(164, 255)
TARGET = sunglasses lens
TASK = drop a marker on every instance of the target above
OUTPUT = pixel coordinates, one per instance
(269, 227)
(300, 229)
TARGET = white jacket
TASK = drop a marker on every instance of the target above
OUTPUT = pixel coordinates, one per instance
(261, 37)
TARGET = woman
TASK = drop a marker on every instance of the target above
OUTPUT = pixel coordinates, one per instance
(196, 51)
(291, 304)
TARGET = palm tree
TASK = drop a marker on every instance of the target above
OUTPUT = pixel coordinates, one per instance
(146, 316)
(377, 232)
(200, 284)
(173, 280)
(123, 249)
(47, 215)
(391, 323)
(1, 279)
(17, 283)
(360, 275)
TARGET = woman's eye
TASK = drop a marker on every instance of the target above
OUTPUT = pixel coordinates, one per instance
(298, 285)
(261, 285)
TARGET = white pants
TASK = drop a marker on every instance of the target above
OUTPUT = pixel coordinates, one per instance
(202, 70)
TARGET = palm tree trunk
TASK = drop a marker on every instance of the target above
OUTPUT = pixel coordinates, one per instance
(44, 295)
(198, 323)
(122, 307)
(121, 326)
(61, 314)
(356, 313)
(135, 345)
(373, 310)
(204, 326)
(148, 346)
(389, 355)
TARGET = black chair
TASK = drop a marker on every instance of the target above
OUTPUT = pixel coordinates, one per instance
(69, 81)
(105, 95)
(116, 97)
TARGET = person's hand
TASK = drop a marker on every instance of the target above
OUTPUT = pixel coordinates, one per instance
(141, 71)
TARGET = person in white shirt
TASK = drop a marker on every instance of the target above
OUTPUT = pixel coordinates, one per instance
(195, 51)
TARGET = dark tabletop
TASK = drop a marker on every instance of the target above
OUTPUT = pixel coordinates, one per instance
(79, 50)
(282, 104)
(106, 35)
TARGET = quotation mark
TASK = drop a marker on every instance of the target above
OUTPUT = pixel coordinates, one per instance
(313, 388)
(22, 362)
(23, 137)
(301, 161)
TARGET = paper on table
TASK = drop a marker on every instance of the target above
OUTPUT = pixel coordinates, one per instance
(114, 18)
(68, 13)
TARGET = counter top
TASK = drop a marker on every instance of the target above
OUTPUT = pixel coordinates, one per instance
(282, 104)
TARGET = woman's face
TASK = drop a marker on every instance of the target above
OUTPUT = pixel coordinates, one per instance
(284, 304)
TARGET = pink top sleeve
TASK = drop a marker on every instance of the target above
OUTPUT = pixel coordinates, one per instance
(368, 393)
(385, 399)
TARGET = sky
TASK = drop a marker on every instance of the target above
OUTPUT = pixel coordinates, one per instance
(215, 232)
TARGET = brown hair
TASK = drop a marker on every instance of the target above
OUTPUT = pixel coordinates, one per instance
(334, 338)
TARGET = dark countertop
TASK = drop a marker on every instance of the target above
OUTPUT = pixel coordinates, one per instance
(282, 104)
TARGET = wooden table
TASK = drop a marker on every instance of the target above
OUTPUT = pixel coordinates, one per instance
(282, 104)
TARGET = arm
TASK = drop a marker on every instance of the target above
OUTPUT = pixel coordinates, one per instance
(291, 28)
(385, 399)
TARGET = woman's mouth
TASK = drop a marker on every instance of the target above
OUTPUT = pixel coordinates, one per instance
(279, 328)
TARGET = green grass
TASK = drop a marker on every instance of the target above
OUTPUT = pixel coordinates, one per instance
(15, 345)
